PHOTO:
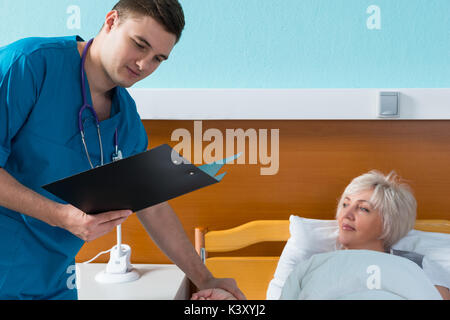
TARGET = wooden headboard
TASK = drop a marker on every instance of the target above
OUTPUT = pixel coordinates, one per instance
(318, 159)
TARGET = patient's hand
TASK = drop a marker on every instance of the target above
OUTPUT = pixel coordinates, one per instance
(213, 294)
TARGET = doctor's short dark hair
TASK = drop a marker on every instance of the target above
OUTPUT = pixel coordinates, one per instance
(168, 13)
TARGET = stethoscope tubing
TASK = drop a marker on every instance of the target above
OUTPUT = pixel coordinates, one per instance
(91, 109)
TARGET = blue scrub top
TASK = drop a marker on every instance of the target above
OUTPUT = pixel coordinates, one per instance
(40, 142)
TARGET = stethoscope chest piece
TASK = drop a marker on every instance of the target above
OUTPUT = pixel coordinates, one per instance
(117, 156)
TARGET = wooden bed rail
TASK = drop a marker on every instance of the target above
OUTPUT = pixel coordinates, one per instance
(243, 235)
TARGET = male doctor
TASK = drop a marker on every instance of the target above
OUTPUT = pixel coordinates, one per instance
(43, 137)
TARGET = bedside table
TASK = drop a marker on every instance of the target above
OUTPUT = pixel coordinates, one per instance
(156, 282)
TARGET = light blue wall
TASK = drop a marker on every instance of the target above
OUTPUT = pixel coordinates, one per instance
(275, 44)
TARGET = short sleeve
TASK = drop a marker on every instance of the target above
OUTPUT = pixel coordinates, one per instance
(18, 94)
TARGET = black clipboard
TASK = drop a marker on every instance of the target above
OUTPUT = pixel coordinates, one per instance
(134, 183)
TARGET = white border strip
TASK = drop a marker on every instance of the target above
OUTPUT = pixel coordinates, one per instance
(286, 104)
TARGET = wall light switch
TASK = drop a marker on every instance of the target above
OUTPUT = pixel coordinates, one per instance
(388, 105)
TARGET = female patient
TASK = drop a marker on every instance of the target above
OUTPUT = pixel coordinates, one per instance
(374, 212)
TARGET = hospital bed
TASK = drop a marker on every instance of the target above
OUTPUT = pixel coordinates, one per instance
(253, 274)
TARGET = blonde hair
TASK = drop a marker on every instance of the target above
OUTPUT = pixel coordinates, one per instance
(392, 197)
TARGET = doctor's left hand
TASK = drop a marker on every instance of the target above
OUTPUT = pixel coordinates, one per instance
(89, 227)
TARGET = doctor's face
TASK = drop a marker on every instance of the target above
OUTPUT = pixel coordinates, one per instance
(134, 48)
(360, 225)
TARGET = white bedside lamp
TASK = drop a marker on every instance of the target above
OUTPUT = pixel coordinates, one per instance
(119, 268)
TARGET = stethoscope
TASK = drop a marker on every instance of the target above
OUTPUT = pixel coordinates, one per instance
(117, 154)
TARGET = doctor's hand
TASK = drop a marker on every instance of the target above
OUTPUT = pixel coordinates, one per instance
(213, 294)
(219, 289)
(89, 227)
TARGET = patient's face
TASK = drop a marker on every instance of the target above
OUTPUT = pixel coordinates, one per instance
(360, 225)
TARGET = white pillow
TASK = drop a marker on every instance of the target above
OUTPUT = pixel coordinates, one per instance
(436, 250)
(307, 237)
(311, 236)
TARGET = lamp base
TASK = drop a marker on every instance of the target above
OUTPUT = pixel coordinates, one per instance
(119, 268)
(104, 277)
